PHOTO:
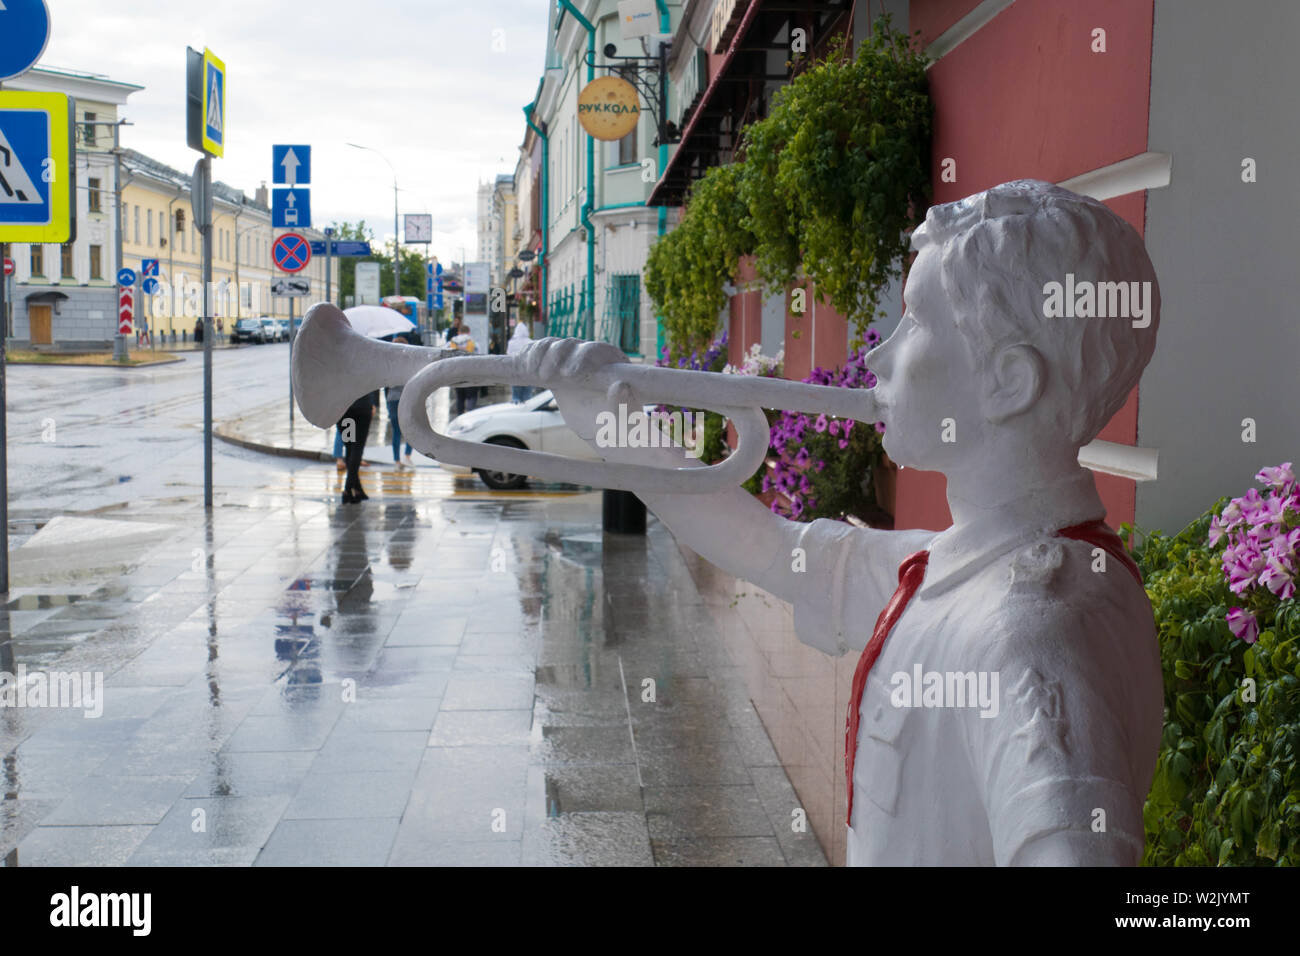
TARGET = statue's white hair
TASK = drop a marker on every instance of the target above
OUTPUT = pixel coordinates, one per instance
(999, 248)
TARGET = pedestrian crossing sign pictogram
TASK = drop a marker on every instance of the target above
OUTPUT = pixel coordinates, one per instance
(37, 175)
(214, 104)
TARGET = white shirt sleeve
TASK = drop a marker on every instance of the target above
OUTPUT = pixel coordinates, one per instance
(848, 576)
(1053, 764)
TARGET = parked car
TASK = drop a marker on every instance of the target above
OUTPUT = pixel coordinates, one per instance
(284, 329)
(536, 425)
(270, 330)
(247, 330)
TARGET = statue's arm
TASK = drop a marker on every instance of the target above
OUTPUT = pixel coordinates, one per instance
(1060, 764)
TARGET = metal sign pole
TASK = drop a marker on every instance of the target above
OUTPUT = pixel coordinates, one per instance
(207, 332)
(292, 336)
(4, 435)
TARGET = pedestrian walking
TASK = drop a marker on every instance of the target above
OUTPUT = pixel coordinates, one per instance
(461, 341)
(355, 425)
(198, 331)
(519, 341)
(393, 395)
(221, 332)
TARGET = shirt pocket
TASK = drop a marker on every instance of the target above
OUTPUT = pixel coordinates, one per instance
(878, 769)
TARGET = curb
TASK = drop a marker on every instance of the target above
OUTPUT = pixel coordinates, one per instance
(303, 453)
(120, 368)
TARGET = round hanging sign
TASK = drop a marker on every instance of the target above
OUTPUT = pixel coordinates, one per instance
(608, 108)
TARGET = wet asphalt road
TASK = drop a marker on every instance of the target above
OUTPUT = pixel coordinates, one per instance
(440, 675)
(82, 439)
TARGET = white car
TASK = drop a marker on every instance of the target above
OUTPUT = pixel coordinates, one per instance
(535, 425)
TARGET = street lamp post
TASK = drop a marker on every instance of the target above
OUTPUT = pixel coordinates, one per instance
(397, 238)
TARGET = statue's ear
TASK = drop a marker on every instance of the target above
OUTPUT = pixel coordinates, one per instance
(1016, 381)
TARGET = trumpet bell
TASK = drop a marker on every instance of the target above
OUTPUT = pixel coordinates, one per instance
(334, 365)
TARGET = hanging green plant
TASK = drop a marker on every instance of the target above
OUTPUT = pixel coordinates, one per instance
(838, 173)
(686, 270)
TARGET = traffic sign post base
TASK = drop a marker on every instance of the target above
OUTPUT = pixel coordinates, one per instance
(119, 348)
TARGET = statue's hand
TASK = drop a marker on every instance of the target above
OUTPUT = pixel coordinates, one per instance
(577, 373)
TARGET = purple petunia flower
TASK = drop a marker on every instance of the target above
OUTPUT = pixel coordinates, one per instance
(1242, 623)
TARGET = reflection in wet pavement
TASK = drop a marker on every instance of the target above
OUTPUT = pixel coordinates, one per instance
(424, 679)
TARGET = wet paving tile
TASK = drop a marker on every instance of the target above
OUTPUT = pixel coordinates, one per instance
(80, 845)
(282, 732)
(206, 831)
(20, 817)
(367, 794)
(367, 714)
(718, 851)
(499, 692)
(346, 842)
(116, 801)
(681, 813)
(589, 839)
(251, 774)
(347, 751)
(481, 728)
(599, 745)
(411, 851)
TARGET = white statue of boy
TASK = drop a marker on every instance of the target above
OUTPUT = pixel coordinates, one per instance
(1036, 741)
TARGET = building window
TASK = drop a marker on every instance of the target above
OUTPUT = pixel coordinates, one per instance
(162, 229)
(88, 130)
(65, 260)
(627, 148)
(96, 262)
(38, 260)
(95, 205)
(137, 225)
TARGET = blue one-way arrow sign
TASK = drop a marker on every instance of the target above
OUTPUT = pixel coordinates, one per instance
(291, 165)
(290, 208)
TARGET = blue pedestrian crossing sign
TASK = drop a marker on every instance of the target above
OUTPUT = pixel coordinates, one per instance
(37, 175)
(24, 32)
(214, 104)
(290, 208)
(291, 165)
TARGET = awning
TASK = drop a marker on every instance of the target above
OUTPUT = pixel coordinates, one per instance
(50, 297)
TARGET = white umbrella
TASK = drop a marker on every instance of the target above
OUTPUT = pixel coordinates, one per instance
(377, 321)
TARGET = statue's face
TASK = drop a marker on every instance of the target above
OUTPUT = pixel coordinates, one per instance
(927, 385)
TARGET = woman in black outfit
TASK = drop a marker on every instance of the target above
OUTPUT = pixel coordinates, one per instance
(360, 412)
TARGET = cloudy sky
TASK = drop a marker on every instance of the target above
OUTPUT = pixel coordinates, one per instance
(425, 82)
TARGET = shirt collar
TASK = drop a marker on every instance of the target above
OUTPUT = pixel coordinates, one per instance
(960, 552)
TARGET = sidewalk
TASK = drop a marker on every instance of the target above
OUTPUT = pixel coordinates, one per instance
(421, 679)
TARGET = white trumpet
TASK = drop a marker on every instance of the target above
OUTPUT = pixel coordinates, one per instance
(333, 365)
(737, 397)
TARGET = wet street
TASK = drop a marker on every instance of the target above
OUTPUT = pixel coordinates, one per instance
(440, 675)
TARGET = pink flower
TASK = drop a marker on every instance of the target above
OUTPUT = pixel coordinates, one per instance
(820, 424)
(1277, 476)
(843, 444)
(1243, 624)
(833, 428)
(880, 427)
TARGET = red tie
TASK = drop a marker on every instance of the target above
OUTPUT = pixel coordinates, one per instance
(910, 575)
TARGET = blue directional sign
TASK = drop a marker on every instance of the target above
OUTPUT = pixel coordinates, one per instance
(148, 267)
(291, 165)
(428, 269)
(429, 302)
(24, 31)
(124, 276)
(149, 285)
(290, 208)
(347, 248)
